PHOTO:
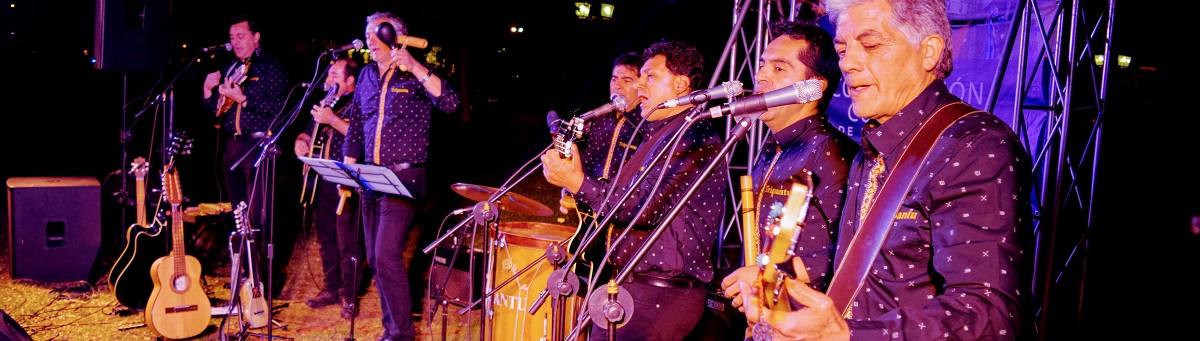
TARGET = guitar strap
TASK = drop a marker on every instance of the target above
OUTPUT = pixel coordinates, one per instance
(851, 271)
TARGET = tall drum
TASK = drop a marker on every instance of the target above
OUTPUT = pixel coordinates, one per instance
(518, 245)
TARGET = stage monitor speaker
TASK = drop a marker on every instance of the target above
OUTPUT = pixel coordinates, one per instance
(53, 227)
(131, 35)
(461, 286)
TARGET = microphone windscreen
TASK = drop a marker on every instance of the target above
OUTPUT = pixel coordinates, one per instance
(552, 121)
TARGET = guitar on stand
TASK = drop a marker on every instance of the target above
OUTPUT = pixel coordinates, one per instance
(251, 303)
(317, 148)
(145, 243)
(178, 307)
(775, 264)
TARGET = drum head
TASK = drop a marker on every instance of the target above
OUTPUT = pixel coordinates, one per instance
(535, 234)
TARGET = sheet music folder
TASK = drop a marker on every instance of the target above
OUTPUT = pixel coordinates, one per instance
(371, 177)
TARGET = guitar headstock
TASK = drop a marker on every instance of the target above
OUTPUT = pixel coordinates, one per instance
(239, 217)
(181, 144)
(140, 168)
(568, 131)
(787, 230)
(171, 184)
(331, 95)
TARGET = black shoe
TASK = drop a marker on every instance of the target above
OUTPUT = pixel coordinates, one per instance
(323, 299)
(349, 310)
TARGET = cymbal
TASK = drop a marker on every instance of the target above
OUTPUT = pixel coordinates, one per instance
(509, 201)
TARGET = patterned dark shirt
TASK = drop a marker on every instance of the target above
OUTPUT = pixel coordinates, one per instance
(329, 140)
(401, 133)
(950, 265)
(265, 90)
(815, 145)
(684, 250)
(604, 143)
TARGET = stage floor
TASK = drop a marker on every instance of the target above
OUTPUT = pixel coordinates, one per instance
(89, 311)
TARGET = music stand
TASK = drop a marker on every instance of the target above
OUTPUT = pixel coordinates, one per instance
(370, 177)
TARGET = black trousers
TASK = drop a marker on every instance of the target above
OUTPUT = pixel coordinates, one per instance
(665, 314)
(340, 239)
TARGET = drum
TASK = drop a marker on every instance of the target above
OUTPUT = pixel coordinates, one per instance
(518, 245)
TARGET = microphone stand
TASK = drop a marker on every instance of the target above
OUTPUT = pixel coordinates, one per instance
(269, 151)
(738, 133)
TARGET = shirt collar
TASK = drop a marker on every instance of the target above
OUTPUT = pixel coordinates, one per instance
(888, 137)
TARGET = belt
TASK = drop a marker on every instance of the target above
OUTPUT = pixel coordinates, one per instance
(406, 165)
(675, 283)
(249, 136)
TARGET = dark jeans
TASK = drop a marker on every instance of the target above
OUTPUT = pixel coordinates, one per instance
(340, 238)
(659, 314)
(387, 219)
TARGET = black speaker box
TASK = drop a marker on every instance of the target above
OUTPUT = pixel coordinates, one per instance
(131, 35)
(53, 227)
(460, 285)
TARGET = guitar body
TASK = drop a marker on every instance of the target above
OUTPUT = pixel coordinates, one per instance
(237, 76)
(178, 307)
(129, 277)
(253, 304)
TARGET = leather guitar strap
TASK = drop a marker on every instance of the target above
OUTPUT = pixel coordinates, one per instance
(851, 271)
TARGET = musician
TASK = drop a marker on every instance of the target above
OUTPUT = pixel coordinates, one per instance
(389, 126)
(801, 140)
(335, 210)
(253, 102)
(667, 285)
(604, 145)
(951, 263)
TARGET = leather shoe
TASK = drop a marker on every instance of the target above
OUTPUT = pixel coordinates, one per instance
(349, 310)
(323, 299)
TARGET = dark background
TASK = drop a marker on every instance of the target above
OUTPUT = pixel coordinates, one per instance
(64, 117)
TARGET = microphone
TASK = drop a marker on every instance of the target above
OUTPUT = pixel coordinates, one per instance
(802, 92)
(552, 121)
(225, 47)
(354, 45)
(618, 102)
(725, 90)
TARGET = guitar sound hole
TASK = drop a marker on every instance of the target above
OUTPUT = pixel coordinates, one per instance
(180, 283)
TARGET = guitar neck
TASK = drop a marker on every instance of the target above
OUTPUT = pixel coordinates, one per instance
(177, 239)
(141, 201)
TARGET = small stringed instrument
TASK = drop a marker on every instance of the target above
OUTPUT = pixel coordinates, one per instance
(252, 303)
(178, 306)
(144, 243)
(237, 76)
(570, 130)
(317, 147)
(783, 237)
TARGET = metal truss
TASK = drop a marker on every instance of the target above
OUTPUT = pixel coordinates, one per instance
(1066, 149)
(1061, 130)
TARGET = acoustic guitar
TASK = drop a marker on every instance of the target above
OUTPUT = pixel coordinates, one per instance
(144, 243)
(317, 147)
(178, 306)
(252, 303)
(237, 76)
(782, 238)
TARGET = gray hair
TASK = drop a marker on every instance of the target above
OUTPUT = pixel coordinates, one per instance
(397, 23)
(916, 19)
